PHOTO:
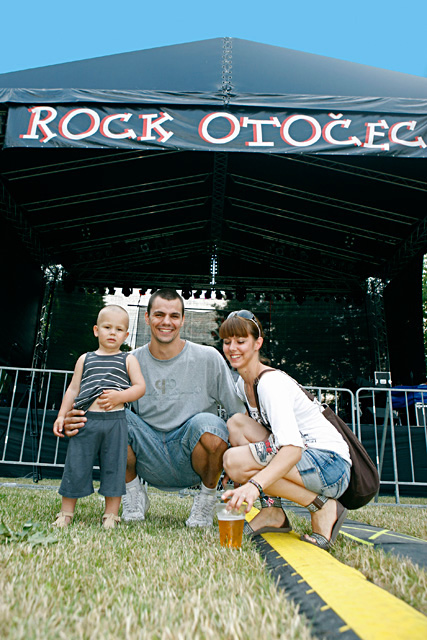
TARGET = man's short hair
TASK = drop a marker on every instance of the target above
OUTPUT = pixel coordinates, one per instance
(166, 294)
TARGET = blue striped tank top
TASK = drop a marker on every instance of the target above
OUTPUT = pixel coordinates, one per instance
(99, 373)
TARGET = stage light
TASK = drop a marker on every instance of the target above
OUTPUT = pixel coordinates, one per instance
(208, 294)
(186, 293)
(111, 291)
(229, 295)
(197, 293)
(218, 295)
(126, 291)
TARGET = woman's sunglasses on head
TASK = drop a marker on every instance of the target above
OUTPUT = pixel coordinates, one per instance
(247, 315)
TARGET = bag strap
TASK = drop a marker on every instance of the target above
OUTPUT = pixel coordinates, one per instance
(309, 395)
(256, 383)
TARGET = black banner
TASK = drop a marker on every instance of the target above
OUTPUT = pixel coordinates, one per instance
(233, 129)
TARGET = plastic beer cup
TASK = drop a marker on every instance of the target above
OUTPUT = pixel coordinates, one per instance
(230, 525)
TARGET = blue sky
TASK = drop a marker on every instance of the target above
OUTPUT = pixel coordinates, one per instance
(387, 34)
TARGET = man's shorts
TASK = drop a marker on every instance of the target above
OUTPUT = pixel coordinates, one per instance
(323, 472)
(103, 439)
(163, 458)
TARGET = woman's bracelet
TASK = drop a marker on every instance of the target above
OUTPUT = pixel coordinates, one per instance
(258, 486)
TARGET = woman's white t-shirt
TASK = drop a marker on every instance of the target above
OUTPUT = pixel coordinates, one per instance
(293, 417)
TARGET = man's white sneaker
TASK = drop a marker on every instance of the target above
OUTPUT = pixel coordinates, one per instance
(202, 511)
(135, 503)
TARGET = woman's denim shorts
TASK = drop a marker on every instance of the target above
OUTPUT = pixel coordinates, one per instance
(324, 472)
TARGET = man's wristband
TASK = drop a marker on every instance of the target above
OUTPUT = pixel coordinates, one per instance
(258, 486)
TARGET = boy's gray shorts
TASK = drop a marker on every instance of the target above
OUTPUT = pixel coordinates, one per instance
(103, 440)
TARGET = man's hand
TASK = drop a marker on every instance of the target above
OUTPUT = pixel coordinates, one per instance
(74, 420)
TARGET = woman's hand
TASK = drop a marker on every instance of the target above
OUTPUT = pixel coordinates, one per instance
(236, 497)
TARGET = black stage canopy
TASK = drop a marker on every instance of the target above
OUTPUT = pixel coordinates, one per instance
(273, 169)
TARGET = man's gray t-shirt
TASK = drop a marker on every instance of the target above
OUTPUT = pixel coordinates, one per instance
(194, 381)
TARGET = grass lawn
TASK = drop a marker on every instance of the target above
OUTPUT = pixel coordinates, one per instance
(159, 580)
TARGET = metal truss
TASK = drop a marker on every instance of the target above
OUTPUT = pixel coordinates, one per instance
(313, 221)
(102, 160)
(345, 256)
(329, 201)
(413, 246)
(276, 259)
(377, 323)
(118, 192)
(342, 167)
(124, 214)
(41, 348)
(219, 180)
(13, 214)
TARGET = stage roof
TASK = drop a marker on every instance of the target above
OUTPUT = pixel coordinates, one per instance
(303, 214)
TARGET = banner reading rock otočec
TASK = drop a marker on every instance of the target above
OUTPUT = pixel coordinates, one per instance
(235, 129)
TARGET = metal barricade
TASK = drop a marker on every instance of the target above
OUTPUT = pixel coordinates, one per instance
(393, 430)
(391, 423)
(340, 400)
(29, 403)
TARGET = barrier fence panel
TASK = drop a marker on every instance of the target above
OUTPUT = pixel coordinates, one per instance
(391, 423)
(340, 400)
(29, 403)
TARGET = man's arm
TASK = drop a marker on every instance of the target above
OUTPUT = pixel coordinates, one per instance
(226, 394)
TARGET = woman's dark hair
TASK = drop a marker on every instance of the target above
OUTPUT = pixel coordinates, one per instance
(241, 327)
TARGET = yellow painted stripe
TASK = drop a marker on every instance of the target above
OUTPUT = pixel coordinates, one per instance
(372, 612)
(348, 535)
(378, 534)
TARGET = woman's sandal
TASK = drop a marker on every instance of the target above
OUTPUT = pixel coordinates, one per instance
(110, 521)
(265, 504)
(61, 519)
(321, 541)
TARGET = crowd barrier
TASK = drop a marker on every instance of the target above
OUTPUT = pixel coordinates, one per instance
(391, 423)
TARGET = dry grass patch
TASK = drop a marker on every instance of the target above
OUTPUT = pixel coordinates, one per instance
(157, 580)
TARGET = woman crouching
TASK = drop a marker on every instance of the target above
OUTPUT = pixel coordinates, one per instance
(287, 449)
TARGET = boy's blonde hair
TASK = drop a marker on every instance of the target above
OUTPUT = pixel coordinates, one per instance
(115, 308)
